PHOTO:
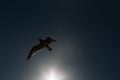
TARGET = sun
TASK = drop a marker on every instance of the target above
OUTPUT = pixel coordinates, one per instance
(53, 74)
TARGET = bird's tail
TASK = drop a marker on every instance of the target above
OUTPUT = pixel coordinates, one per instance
(49, 48)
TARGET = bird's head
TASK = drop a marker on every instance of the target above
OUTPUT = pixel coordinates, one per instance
(48, 38)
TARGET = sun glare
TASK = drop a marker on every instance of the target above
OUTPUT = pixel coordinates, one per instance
(53, 74)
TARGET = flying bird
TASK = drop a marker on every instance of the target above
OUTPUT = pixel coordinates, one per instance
(41, 45)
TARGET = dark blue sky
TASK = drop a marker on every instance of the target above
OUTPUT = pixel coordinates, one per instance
(87, 34)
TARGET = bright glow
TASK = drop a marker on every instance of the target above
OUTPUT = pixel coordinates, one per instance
(53, 74)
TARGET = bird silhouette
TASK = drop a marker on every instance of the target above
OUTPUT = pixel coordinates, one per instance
(41, 45)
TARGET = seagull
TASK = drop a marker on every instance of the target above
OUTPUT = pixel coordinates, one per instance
(41, 45)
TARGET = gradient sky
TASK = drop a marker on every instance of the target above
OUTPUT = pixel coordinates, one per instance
(87, 34)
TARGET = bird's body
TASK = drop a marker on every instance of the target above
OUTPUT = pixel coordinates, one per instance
(42, 44)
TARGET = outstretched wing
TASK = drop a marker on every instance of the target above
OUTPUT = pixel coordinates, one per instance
(34, 50)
